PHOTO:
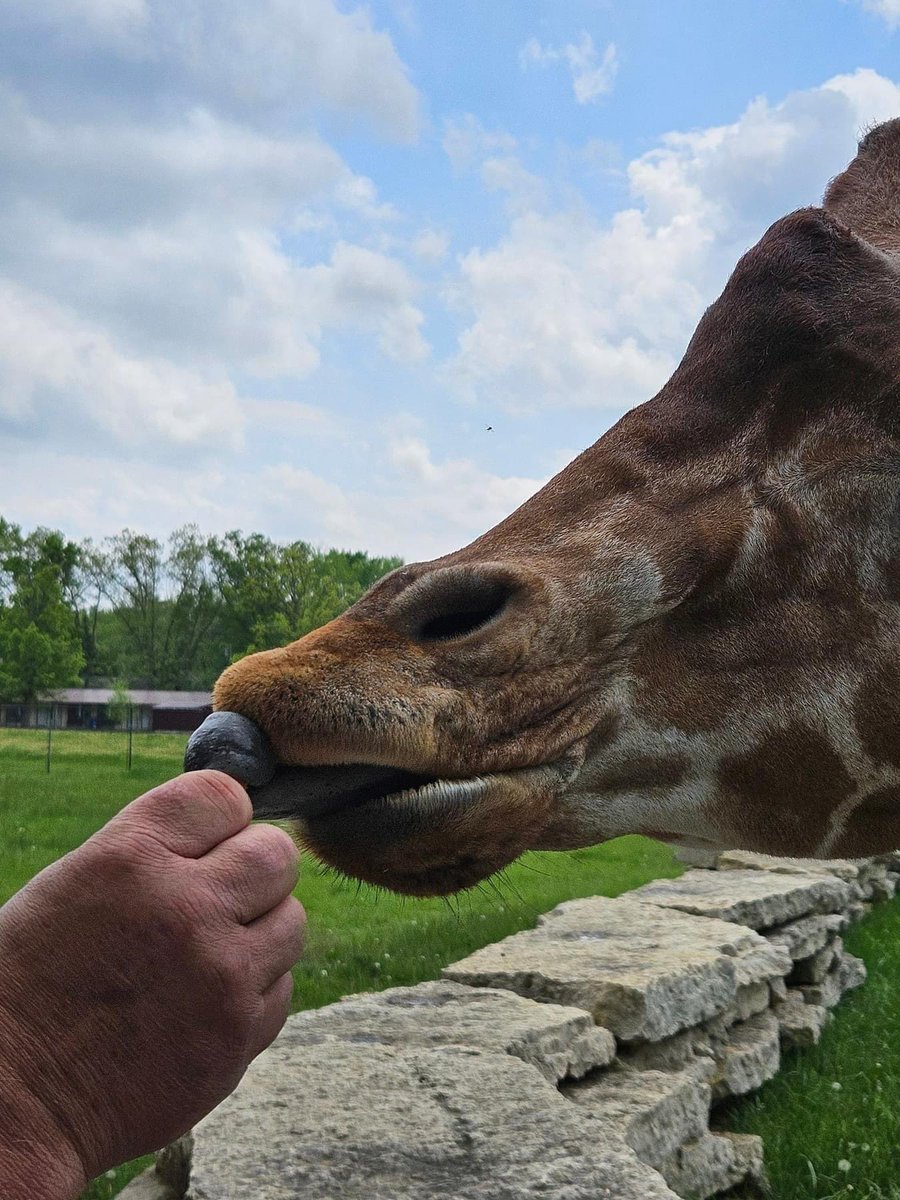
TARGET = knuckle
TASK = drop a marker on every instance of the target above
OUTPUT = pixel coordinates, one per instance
(194, 792)
(277, 850)
(262, 856)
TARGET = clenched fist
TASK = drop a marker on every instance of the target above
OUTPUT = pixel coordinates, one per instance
(139, 976)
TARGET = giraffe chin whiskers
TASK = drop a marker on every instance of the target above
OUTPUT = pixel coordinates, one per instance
(439, 838)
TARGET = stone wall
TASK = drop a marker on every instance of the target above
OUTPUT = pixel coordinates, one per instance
(581, 1059)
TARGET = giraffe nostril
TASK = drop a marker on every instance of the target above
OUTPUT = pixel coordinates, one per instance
(455, 607)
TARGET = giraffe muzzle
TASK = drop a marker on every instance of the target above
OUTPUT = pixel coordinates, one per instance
(232, 743)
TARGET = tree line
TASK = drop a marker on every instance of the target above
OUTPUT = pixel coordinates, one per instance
(137, 611)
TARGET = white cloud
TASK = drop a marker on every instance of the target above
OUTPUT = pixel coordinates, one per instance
(571, 311)
(888, 10)
(109, 173)
(115, 23)
(375, 292)
(466, 140)
(462, 495)
(279, 51)
(309, 55)
(590, 79)
(59, 372)
(431, 245)
(424, 507)
(177, 228)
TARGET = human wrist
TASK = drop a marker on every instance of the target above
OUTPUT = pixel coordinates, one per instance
(37, 1160)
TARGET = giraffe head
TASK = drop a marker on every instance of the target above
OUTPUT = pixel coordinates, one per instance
(691, 632)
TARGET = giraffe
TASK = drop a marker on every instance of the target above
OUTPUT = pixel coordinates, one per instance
(691, 632)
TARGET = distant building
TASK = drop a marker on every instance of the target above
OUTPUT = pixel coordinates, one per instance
(89, 708)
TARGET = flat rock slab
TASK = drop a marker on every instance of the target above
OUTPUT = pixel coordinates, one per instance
(847, 869)
(808, 935)
(655, 1111)
(747, 1056)
(849, 973)
(715, 1163)
(799, 1023)
(560, 1042)
(369, 1122)
(641, 971)
(758, 899)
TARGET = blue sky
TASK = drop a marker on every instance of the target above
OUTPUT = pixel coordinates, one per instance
(368, 276)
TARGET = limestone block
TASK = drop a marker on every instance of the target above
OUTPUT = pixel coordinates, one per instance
(852, 972)
(872, 876)
(558, 1041)
(750, 999)
(642, 971)
(800, 1024)
(671, 1054)
(807, 935)
(848, 869)
(714, 1163)
(759, 899)
(148, 1186)
(814, 968)
(749, 1055)
(849, 973)
(884, 889)
(743, 1054)
(656, 1112)
(891, 861)
(371, 1122)
(693, 856)
(778, 990)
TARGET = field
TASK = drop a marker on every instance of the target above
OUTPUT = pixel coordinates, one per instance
(358, 939)
(830, 1121)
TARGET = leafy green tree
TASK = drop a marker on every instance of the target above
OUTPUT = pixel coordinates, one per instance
(165, 602)
(39, 644)
(272, 594)
(160, 614)
(87, 597)
(120, 704)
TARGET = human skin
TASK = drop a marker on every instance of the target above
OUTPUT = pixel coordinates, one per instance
(139, 976)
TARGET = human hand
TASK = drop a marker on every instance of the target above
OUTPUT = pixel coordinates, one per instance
(140, 976)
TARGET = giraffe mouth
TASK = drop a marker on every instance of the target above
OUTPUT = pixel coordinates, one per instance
(415, 833)
(232, 743)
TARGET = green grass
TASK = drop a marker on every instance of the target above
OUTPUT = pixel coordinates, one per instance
(358, 939)
(831, 1119)
(362, 939)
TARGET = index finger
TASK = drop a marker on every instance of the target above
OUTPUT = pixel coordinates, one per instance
(193, 813)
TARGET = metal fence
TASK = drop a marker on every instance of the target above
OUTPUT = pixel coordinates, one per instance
(49, 746)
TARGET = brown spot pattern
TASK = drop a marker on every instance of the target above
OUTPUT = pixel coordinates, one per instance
(648, 771)
(876, 710)
(872, 827)
(785, 790)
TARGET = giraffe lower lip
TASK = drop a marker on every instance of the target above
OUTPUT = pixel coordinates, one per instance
(311, 793)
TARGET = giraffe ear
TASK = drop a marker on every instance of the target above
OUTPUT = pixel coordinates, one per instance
(866, 197)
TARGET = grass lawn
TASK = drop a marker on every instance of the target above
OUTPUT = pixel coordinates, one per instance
(830, 1120)
(358, 939)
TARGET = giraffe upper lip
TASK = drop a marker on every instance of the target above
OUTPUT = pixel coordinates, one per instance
(232, 743)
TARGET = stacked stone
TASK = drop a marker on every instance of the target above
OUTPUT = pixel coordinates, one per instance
(688, 974)
(579, 1059)
(822, 971)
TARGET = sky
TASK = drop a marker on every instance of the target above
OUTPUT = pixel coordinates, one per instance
(368, 276)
